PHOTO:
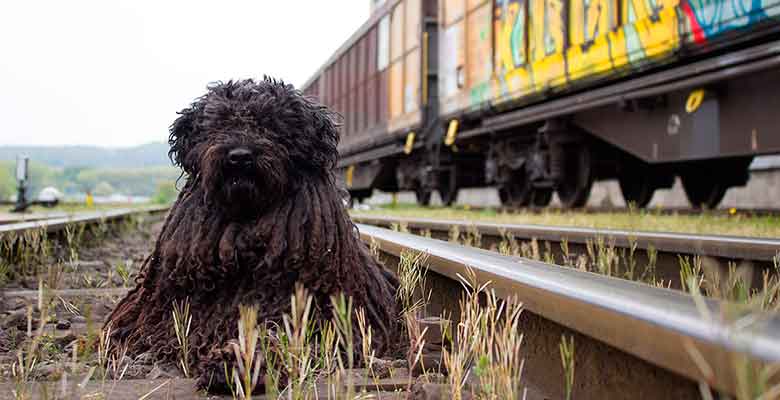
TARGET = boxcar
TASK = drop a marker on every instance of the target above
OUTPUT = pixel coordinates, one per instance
(542, 96)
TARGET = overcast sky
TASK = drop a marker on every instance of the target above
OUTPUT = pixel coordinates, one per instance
(114, 73)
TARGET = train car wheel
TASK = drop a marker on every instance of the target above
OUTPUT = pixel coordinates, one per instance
(705, 183)
(503, 195)
(517, 191)
(448, 196)
(703, 190)
(542, 197)
(574, 185)
(448, 190)
(423, 196)
(637, 189)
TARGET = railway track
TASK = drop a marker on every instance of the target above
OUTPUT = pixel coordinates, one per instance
(735, 212)
(16, 218)
(633, 340)
(610, 321)
(79, 295)
(564, 244)
(56, 223)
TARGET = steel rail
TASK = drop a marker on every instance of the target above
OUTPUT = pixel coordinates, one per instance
(661, 211)
(15, 219)
(732, 247)
(653, 324)
(53, 225)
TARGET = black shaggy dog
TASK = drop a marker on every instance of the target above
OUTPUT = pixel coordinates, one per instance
(258, 213)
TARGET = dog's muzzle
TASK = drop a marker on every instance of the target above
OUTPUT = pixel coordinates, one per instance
(241, 158)
(241, 175)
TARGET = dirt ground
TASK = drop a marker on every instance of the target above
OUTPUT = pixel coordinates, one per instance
(73, 293)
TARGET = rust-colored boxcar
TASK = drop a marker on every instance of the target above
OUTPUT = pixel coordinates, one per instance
(543, 96)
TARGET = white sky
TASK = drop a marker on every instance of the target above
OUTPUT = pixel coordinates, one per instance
(114, 73)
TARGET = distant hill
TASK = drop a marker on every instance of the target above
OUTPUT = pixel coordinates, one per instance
(147, 155)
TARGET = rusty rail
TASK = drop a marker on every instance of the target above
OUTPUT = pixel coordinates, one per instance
(649, 323)
(53, 225)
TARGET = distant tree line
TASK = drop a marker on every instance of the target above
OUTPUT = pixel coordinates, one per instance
(92, 156)
(153, 181)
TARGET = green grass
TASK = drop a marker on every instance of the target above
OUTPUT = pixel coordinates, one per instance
(639, 220)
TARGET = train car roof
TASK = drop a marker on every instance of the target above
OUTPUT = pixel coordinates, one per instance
(372, 20)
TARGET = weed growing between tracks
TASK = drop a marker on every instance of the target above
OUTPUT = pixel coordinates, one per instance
(601, 256)
(481, 366)
(567, 361)
(182, 321)
(734, 282)
(22, 254)
(302, 360)
(297, 355)
(486, 343)
(706, 223)
(52, 342)
(753, 381)
(701, 276)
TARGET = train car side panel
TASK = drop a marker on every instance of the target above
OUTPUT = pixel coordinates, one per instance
(396, 62)
(465, 64)
(404, 83)
(479, 33)
(383, 63)
(705, 20)
(534, 49)
(452, 58)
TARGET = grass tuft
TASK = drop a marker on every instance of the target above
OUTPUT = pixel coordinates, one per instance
(246, 374)
(567, 361)
(182, 320)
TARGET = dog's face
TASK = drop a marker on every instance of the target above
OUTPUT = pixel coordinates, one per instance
(249, 144)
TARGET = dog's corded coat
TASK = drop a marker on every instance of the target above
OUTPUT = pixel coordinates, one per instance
(247, 235)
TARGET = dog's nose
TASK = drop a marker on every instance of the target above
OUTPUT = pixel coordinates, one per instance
(240, 157)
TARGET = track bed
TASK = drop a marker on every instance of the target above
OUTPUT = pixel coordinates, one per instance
(75, 297)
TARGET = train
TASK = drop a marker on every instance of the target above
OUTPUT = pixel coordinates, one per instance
(534, 97)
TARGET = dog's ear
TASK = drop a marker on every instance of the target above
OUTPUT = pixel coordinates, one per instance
(182, 134)
(325, 125)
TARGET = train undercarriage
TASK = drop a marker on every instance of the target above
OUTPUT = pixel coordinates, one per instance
(704, 129)
(562, 159)
(531, 175)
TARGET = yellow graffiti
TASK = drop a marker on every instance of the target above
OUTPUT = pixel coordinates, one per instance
(547, 28)
(512, 71)
(591, 21)
(529, 52)
(509, 25)
(546, 43)
(658, 37)
(600, 17)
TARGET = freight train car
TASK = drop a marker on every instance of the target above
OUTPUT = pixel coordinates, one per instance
(537, 96)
